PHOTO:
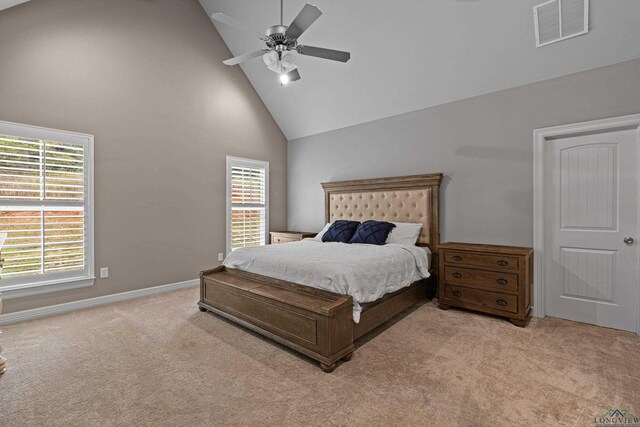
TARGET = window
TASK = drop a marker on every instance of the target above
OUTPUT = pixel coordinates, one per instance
(46, 182)
(247, 202)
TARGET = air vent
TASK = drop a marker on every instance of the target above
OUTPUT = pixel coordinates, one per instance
(558, 20)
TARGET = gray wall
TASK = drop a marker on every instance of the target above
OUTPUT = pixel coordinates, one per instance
(147, 79)
(483, 145)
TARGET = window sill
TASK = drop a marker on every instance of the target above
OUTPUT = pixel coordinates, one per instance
(28, 289)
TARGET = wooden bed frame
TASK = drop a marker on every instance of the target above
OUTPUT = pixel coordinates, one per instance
(316, 322)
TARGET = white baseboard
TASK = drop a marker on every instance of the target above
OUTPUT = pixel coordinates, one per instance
(21, 316)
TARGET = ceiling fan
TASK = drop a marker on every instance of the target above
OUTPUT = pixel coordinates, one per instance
(282, 41)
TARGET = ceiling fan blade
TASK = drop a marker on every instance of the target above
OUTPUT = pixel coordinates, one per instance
(320, 52)
(247, 56)
(293, 75)
(305, 18)
(232, 22)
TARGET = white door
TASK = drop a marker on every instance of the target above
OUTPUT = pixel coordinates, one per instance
(591, 254)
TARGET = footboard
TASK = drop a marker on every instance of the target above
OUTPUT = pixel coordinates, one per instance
(312, 321)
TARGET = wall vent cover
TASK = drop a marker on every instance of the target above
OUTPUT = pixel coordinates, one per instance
(558, 20)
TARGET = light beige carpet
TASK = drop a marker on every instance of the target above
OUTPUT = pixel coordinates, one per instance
(158, 361)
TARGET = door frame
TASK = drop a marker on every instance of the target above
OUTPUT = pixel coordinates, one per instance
(540, 138)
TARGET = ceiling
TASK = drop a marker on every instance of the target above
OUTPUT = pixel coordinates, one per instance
(412, 54)
(5, 4)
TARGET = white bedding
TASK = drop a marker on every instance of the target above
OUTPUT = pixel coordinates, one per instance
(366, 272)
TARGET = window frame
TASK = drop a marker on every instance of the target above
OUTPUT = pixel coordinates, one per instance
(31, 285)
(239, 161)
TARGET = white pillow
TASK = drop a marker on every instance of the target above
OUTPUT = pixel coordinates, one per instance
(320, 234)
(405, 233)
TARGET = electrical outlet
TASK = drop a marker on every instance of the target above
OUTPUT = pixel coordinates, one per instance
(104, 272)
(220, 256)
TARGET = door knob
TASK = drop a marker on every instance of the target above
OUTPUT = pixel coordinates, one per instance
(628, 240)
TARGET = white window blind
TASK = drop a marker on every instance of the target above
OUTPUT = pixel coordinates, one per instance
(43, 206)
(247, 202)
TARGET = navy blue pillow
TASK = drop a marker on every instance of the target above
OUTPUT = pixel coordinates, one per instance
(372, 232)
(340, 231)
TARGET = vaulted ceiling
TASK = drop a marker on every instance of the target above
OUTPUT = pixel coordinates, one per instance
(5, 4)
(412, 54)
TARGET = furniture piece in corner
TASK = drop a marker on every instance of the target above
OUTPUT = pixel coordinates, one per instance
(289, 236)
(488, 278)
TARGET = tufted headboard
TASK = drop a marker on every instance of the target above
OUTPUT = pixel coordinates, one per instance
(413, 198)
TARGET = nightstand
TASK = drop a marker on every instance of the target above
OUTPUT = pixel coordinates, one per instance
(289, 236)
(488, 278)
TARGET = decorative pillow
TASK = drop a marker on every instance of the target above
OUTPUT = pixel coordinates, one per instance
(372, 232)
(340, 231)
(405, 233)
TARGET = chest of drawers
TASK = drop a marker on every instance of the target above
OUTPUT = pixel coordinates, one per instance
(488, 278)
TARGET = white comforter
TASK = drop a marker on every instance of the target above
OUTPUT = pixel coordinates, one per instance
(366, 272)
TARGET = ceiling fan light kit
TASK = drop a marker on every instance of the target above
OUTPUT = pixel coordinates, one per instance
(282, 44)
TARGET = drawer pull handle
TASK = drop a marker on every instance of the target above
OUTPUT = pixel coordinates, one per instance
(457, 258)
(502, 262)
(501, 282)
(457, 275)
(457, 293)
(501, 302)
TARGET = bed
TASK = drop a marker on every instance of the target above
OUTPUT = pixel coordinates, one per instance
(365, 272)
(323, 323)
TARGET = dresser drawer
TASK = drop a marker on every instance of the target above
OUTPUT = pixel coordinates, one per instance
(491, 280)
(498, 262)
(480, 298)
(280, 239)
